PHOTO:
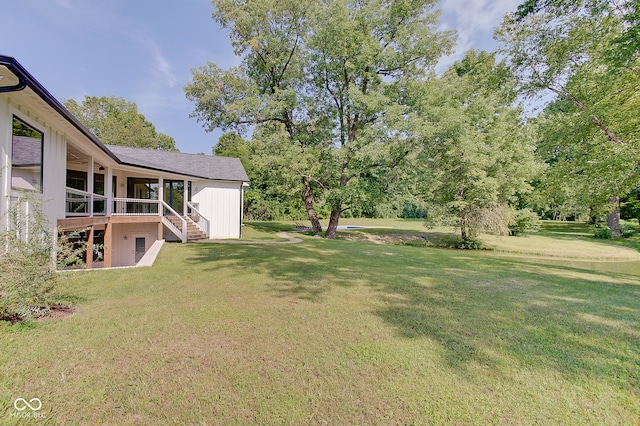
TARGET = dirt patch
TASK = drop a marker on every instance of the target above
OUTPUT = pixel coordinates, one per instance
(56, 312)
(427, 239)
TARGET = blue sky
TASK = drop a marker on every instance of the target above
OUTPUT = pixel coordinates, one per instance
(144, 51)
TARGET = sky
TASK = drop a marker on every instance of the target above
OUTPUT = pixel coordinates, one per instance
(144, 51)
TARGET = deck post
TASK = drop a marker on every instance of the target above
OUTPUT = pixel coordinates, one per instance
(89, 253)
(108, 243)
(109, 191)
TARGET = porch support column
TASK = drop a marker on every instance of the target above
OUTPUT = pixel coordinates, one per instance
(160, 196)
(185, 196)
(108, 243)
(89, 254)
(90, 180)
(108, 191)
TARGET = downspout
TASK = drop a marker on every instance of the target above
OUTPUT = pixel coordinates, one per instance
(22, 81)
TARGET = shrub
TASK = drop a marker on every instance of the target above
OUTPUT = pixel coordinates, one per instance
(28, 254)
(469, 244)
(26, 262)
(602, 232)
(525, 222)
(626, 231)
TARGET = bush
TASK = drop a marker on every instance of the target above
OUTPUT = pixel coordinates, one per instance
(602, 232)
(469, 244)
(26, 262)
(525, 222)
(28, 254)
(626, 231)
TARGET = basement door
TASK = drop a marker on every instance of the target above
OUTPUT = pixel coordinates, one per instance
(140, 245)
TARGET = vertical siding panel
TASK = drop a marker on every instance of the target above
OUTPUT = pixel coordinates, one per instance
(5, 148)
(220, 204)
(54, 175)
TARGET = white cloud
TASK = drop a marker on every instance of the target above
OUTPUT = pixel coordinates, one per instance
(475, 22)
(162, 65)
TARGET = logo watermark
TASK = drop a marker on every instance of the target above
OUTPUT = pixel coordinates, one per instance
(28, 409)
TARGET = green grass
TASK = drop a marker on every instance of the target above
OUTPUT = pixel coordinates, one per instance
(336, 332)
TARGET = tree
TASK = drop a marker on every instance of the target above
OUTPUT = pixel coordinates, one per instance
(478, 153)
(116, 121)
(584, 53)
(233, 145)
(585, 168)
(321, 76)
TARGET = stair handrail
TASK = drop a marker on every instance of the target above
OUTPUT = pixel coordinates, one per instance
(206, 225)
(183, 232)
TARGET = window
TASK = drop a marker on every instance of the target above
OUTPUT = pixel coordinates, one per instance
(26, 157)
(142, 189)
(77, 180)
(174, 194)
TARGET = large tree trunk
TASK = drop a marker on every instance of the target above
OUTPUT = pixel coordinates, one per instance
(613, 220)
(463, 228)
(308, 204)
(333, 222)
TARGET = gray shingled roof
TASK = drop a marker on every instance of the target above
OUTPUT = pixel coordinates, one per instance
(195, 165)
(26, 151)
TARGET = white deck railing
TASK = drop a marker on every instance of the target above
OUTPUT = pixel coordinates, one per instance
(83, 203)
(197, 217)
(167, 212)
(135, 207)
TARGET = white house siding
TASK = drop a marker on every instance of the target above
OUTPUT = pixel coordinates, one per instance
(54, 155)
(124, 249)
(5, 151)
(221, 203)
(54, 176)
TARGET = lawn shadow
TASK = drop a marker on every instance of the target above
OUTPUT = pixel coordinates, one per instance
(539, 316)
(481, 310)
(271, 227)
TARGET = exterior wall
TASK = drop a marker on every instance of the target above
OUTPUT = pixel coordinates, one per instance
(221, 203)
(54, 176)
(54, 155)
(5, 151)
(123, 252)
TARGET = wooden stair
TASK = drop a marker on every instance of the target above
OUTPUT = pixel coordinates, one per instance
(193, 232)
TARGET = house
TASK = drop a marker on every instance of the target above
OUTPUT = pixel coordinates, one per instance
(127, 198)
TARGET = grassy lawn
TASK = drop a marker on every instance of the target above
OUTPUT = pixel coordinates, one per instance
(342, 332)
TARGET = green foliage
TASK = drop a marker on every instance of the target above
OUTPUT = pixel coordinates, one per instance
(626, 231)
(584, 53)
(233, 145)
(71, 249)
(116, 121)
(468, 243)
(602, 232)
(320, 80)
(26, 262)
(27, 266)
(525, 222)
(478, 155)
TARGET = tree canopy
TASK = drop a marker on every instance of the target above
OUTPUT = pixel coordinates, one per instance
(321, 77)
(584, 53)
(347, 116)
(116, 121)
(478, 154)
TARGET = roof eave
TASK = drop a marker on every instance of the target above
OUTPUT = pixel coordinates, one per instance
(27, 80)
(156, 169)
